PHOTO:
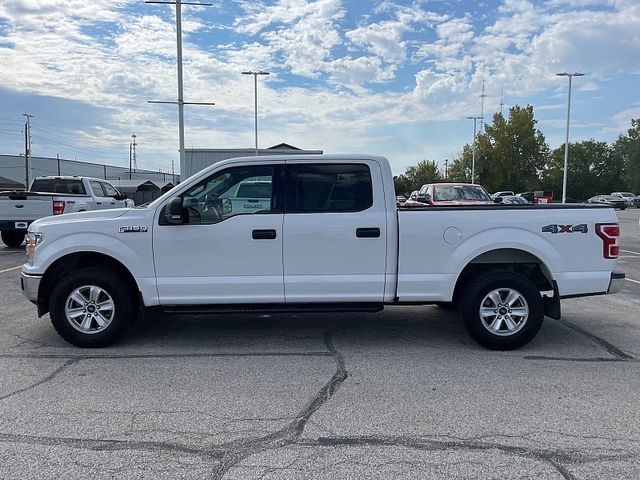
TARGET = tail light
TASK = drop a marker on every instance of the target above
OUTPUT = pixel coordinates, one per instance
(609, 233)
(58, 207)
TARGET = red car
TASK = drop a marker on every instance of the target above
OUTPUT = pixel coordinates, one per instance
(442, 194)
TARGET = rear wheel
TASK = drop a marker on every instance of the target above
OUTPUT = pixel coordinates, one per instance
(12, 238)
(91, 307)
(502, 310)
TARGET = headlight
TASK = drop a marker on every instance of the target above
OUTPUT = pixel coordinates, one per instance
(33, 240)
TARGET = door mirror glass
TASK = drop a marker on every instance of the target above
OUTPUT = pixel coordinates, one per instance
(424, 198)
(498, 199)
(173, 211)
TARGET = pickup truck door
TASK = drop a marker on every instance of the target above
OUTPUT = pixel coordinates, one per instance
(334, 232)
(111, 192)
(99, 196)
(224, 251)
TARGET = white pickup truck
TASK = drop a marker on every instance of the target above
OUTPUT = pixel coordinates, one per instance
(54, 196)
(330, 237)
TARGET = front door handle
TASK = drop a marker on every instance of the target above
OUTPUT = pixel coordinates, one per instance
(263, 234)
(368, 232)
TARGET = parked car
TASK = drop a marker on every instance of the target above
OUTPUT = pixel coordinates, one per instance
(452, 194)
(609, 200)
(332, 239)
(631, 199)
(506, 193)
(400, 200)
(54, 196)
(412, 201)
(511, 200)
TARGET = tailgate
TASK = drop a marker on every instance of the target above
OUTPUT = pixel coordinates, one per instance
(23, 208)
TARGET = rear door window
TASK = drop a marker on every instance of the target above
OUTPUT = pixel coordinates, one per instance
(97, 189)
(316, 188)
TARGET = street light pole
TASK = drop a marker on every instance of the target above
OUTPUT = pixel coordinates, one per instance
(566, 142)
(255, 95)
(473, 149)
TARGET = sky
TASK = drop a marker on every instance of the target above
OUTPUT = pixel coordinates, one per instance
(387, 77)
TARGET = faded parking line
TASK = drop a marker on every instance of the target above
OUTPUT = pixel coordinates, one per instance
(630, 251)
(632, 280)
(20, 266)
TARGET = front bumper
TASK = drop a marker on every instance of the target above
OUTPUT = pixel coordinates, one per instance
(615, 284)
(30, 285)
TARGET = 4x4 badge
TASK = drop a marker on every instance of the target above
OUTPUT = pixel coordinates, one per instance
(582, 228)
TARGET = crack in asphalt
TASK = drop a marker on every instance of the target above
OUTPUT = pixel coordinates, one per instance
(617, 355)
(46, 379)
(239, 450)
(555, 458)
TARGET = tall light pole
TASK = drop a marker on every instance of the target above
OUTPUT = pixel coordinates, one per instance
(473, 149)
(255, 94)
(566, 142)
(27, 149)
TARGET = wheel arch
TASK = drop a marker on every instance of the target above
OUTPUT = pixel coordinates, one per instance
(75, 261)
(518, 261)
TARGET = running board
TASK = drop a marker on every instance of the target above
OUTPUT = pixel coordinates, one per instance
(272, 308)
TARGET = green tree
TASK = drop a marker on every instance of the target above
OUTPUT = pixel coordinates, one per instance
(626, 152)
(510, 153)
(460, 168)
(591, 170)
(425, 171)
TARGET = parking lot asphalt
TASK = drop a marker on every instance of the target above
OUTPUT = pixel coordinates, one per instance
(404, 393)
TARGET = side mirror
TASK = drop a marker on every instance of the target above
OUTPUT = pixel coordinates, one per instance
(173, 211)
(119, 197)
(423, 198)
(498, 199)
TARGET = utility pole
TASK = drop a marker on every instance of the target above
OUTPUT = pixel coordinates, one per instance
(27, 149)
(446, 168)
(180, 102)
(130, 145)
(482, 97)
(473, 161)
(566, 143)
(501, 99)
(255, 92)
(133, 156)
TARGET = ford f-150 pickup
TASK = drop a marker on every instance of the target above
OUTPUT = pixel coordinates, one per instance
(53, 196)
(324, 233)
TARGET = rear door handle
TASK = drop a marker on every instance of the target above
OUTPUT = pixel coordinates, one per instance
(263, 234)
(368, 232)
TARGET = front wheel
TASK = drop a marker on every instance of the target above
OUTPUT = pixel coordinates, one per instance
(91, 307)
(502, 310)
(12, 238)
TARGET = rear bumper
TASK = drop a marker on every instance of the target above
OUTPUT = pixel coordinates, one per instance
(30, 285)
(615, 284)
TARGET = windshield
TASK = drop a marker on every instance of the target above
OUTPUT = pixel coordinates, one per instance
(460, 192)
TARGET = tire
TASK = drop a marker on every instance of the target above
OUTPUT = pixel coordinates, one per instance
(12, 238)
(511, 330)
(95, 286)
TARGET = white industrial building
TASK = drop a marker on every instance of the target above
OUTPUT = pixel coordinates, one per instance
(12, 167)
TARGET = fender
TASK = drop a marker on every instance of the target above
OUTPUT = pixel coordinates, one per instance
(505, 237)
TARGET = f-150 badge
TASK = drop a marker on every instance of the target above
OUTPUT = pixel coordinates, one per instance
(582, 228)
(132, 229)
